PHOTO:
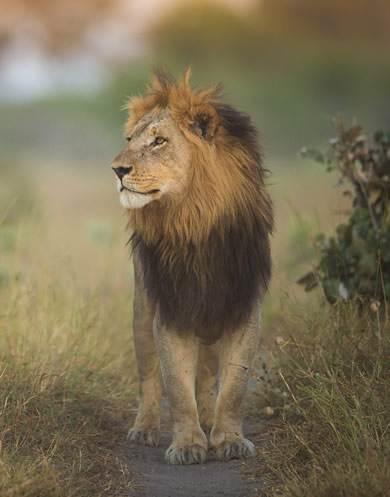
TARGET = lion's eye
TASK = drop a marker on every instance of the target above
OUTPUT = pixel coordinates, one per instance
(128, 138)
(158, 141)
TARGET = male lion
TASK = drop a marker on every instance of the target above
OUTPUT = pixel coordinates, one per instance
(192, 182)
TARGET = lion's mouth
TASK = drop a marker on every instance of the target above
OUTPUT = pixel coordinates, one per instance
(139, 193)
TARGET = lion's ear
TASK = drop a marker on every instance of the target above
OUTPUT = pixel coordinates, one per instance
(204, 121)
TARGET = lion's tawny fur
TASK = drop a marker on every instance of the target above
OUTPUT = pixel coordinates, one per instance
(205, 255)
(201, 219)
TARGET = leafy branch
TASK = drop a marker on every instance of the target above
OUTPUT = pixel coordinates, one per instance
(355, 262)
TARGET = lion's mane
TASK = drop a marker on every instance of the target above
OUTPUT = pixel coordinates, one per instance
(206, 259)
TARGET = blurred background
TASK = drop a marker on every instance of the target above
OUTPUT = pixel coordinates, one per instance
(67, 68)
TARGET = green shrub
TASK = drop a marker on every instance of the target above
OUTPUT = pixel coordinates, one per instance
(355, 262)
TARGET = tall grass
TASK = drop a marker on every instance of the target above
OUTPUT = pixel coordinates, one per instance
(66, 391)
(67, 368)
(67, 371)
(332, 438)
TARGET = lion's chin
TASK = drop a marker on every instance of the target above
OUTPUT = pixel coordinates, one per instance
(131, 200)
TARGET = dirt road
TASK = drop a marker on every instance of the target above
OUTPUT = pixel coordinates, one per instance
(155, 478)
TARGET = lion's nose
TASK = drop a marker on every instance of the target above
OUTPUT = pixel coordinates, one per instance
(122, 171)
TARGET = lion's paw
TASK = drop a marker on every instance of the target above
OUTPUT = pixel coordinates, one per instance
(144, 436)
(235, 449)
(186, 454)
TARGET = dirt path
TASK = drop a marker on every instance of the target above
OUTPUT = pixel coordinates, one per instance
(155, 478)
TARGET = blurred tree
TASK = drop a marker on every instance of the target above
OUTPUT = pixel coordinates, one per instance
(199, 31)
(359, 19)
(202, 31)
(60, 26)
(57, 25)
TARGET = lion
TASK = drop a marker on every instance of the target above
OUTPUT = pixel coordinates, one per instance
(192, 182)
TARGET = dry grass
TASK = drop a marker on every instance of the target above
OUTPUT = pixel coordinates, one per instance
(66, 388)
(67, 371)
(67, 376)
(332, 437)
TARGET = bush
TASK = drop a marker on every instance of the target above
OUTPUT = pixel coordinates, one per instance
(355, 262)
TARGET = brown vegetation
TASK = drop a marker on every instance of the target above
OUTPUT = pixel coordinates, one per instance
(332, 437)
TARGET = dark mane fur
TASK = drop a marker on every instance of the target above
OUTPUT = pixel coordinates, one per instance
(239, 125)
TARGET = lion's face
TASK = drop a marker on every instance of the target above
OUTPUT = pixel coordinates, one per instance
(155, 163)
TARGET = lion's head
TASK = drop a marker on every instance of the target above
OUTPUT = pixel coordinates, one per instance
(157, 162)
(191, 163)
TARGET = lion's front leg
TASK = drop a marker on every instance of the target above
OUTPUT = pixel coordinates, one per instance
(178, 356)
(236, 355)
(207, 385)
(146, 429)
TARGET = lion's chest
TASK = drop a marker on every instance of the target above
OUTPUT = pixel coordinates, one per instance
(207, 288)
